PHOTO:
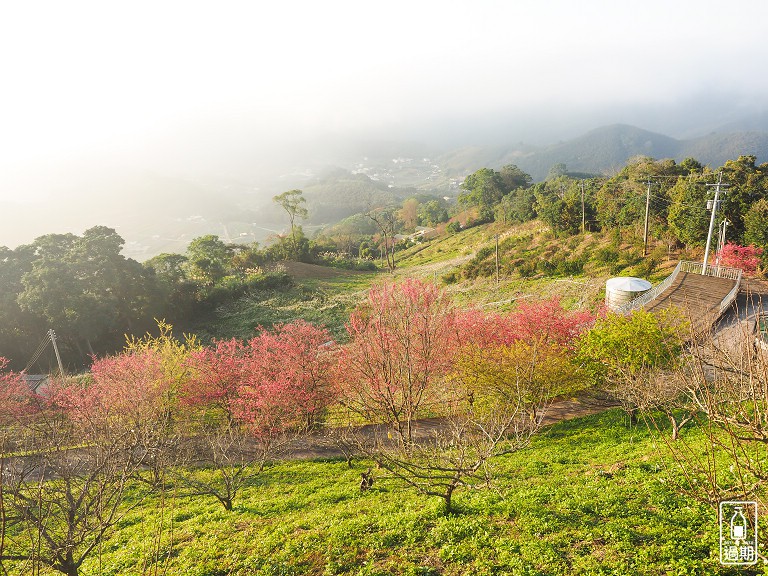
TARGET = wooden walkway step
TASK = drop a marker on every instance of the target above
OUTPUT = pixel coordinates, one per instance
(698, 297)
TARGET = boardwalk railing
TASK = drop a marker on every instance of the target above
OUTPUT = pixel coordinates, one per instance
(691, 268)
(716, 271)
(730, 297)
(643, 299)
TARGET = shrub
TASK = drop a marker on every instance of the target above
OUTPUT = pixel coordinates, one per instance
(344, 262)
(451, 277)
(646, 267)
(606, 256)
(570, 267)
(546, 267)
(527, 269)
(233, 287)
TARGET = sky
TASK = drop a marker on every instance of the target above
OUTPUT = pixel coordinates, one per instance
(175, 85)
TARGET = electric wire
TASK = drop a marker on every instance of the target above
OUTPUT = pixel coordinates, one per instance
(38, 352)
(671, 201)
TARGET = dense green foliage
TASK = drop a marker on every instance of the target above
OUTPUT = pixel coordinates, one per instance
(630, 344)
(675, 194)
(486, 188)
(678, 194)
(81, 285)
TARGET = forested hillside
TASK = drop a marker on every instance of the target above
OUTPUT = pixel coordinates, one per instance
(85, 289)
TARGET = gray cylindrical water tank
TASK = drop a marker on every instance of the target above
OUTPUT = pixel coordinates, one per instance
(621, 290)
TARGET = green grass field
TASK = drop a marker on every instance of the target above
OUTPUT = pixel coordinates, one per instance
(588, 496)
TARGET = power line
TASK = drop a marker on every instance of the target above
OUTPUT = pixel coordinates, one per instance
(647, 211)
(671, 201)
(50, 338)
(37, 353)
(687, 176)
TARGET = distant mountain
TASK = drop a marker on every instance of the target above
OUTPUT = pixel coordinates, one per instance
(607, 149)
(755, 122)
(714, 149)
(603, 150)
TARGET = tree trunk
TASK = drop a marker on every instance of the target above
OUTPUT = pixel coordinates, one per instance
(447, 498)
(67, 566)
(678, 425)
(226, 502)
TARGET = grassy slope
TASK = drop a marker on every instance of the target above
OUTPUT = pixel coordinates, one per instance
(321, 295)
(531, 242)
(590, 496)
(326, 296)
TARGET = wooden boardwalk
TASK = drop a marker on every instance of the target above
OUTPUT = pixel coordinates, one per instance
(697, 297)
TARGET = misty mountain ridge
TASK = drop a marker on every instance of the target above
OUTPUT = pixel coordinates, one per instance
(157, 212)
(607, 149)
(598, 151)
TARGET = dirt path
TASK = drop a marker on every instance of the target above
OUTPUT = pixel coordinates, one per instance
(320, 446)
(304, 271)
(570, 409)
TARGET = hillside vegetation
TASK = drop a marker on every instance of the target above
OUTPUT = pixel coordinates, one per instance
(427, 351)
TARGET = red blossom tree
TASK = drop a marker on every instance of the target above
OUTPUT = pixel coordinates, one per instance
(548, 322)
(540, 321)
(288, 377)
(131, 387)
(483, 330)
(129, 400)
(412, 355)
(252, 398)
(218, 372)
(76, 448)
(745, 257)
(402, 342)
(16, 399)
(278, 379)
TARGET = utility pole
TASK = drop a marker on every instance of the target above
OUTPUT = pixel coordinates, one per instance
(497, 259)
(712, 219)
(647, 211)
(721, 240)
(583, 217)
(52, 336)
